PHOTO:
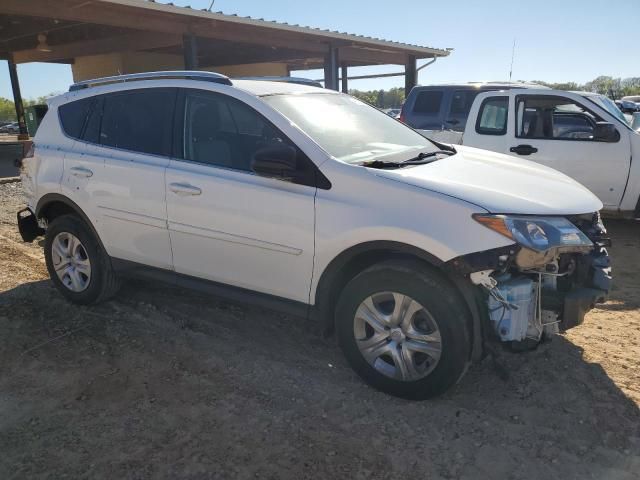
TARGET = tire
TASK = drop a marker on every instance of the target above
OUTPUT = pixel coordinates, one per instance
(79, 284)
(402, 370)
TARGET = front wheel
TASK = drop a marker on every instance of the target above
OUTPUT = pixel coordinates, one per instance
(403, 329)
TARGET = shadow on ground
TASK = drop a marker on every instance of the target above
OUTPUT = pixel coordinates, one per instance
(167, 383)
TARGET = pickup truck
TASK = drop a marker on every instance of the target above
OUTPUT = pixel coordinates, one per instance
(581, 134)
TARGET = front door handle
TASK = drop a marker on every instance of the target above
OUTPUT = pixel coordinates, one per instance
(81, 172)
(184, 189)
(523, 149)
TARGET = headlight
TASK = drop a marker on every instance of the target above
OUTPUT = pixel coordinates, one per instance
(536, 233)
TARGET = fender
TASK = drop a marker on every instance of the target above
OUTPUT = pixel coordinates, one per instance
(355, 259)
(336, 267)
(50, 198)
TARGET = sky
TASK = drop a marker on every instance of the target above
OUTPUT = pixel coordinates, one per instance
(555, 41)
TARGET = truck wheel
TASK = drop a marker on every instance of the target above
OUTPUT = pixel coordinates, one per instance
(404, 330)
(77, 265)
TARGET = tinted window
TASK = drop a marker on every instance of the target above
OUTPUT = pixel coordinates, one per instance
(139, 120)
(462, 100)
(428, 102)
(73, 116)
(222, 131)
(493, 115)
(92, 127)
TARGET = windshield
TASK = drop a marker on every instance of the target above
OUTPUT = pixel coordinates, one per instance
(348, 129)
(609, 106)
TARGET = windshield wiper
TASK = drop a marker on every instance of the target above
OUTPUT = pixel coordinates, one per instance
(422, 156)
(421, 159)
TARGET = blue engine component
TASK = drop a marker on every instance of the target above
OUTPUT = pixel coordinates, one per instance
(512, 323)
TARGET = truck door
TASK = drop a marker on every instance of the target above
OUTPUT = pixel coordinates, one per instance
(557, 129)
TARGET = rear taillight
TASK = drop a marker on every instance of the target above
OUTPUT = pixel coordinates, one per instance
(27, 152)
(28, 149)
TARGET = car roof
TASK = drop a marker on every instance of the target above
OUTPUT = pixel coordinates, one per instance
(482, 85)
(257, 88)
(262, 88)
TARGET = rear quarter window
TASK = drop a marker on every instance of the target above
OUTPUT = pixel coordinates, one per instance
(73, 116)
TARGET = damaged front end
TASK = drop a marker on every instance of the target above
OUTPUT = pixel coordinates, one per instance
(556, 271)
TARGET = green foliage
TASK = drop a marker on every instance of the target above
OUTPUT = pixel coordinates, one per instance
(8, 110)
(393, 98)
(614, 88)
(571, 86)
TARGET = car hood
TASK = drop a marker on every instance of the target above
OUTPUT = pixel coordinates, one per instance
(500, 183)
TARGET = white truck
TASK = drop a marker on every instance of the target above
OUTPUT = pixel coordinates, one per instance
(581, 134)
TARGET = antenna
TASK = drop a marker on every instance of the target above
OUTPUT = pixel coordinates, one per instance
(211, 6)
(513, 54)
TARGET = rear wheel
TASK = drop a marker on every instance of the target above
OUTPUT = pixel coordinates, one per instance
(77, 265)
(403, 330)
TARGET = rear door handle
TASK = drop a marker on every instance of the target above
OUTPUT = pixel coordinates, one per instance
(184, 189)
(523, 149)
(81, 172)
(453, 121)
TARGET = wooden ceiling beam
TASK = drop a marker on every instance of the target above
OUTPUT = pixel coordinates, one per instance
(371, 57)
(121, 43)
(93, 12)
(114, 15)
(257, 36)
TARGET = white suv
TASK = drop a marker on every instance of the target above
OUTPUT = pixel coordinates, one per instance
(415, 253)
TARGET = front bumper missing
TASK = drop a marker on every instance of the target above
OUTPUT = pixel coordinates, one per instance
(588, 285)
(594, 288)
(28, 225)
(577, 304)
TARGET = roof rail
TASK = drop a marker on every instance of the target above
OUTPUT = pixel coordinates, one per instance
(297, 80)
(132, 77)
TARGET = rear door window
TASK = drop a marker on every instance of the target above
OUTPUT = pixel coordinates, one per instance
(459, 108)
(139, 120)
(92, 127)
(428, 102)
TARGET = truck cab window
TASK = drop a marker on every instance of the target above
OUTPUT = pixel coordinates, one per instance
(554, 118)
(493, 115)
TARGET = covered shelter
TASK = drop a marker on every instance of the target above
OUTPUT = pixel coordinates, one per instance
(110, 37)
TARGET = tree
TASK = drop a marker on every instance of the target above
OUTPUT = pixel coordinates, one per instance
(571, 86)
(7, 110)
(605, 86)
(381, 98)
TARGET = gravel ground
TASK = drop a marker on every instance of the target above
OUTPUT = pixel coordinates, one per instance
(166, 383)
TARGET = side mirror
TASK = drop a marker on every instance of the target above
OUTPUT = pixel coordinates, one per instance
(276, 161)
(605, 132)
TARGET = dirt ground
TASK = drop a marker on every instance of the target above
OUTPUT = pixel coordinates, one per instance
(166, 383)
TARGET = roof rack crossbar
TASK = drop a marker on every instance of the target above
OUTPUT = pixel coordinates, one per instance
(184, 74)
